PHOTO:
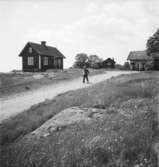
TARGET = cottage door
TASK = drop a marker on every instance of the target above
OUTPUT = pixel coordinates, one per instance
(40, 62)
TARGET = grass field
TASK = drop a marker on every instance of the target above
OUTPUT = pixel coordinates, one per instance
(124, 136)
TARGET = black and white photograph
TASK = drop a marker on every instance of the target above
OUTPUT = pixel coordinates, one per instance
(79, 83)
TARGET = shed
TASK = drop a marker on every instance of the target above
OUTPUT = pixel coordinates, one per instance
(138, 59)
(109, 63)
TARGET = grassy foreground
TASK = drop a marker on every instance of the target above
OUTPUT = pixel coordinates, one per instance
(123, 137)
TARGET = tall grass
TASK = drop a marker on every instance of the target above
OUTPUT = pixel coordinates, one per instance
(104, 95)
(124, 137)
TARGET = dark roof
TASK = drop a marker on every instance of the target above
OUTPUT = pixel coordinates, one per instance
(138, 55)
(46, 50)
(109, 59)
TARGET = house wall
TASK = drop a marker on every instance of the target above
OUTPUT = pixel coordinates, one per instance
(108, 64)
(50, 63)
(53, 63)
(30, 68)
(25, 55)
(138, 65)
(58, 63)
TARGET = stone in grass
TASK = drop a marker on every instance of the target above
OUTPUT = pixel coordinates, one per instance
(99, 106)
(27, 87)
(67, 117)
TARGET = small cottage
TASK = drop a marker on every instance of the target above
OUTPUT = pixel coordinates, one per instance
(40, 57)
(138, 60)
(109, 63)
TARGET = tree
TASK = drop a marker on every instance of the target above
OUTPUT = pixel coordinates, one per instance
(94, 61)
(126, 66)
(149, 65)
(153, 43)
(81, 59)
(119, 67)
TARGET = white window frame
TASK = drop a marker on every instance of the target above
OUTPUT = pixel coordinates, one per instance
(30, 61)
(109, 64)
(46, 61)
(30, 50)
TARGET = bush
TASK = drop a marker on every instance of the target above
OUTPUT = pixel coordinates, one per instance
(149, 65)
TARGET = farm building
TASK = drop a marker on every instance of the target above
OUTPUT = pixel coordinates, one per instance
(40, 57)
(138, 60)
(109, 63)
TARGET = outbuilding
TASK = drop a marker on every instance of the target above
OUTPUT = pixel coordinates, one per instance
(40, 57)
(138, 60)
(109, 63)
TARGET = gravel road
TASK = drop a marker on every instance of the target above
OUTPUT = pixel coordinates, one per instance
(17, 103)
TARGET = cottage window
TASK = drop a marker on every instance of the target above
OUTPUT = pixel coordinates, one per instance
(30, 50)
(30, 61)
(109, 64)
(46, 61)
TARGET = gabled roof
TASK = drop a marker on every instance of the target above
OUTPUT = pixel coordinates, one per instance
(138, 55)
(109, 60)
(45, 50)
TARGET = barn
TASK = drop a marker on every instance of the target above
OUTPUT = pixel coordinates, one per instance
(109, 63)
(138, 60)
(40, 57)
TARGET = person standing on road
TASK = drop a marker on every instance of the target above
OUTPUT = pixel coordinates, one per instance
(85, 74)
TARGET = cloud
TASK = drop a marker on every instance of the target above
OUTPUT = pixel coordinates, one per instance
(92, 7)
(111, 24)
(36, 34)
(35, 6)
(105, 22)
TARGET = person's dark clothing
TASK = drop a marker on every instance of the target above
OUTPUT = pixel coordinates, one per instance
(85, 75)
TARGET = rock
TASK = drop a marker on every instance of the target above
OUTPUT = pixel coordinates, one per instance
(68, 117)
(27, 87)
(100, 106)
(38, 76)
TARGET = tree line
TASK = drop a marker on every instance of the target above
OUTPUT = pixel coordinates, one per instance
(92, 61)
(152, 48)
(95, 62)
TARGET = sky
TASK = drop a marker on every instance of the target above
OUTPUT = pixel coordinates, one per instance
(107, 28)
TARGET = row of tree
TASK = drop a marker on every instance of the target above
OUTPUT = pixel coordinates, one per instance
(92, 61)
(153, 43)
(152, 47)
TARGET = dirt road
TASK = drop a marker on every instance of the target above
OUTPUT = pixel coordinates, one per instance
(17, 103)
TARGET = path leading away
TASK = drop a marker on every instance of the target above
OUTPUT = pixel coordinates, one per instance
(20, 102)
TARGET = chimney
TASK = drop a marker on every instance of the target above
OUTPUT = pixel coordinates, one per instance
(43, 43)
